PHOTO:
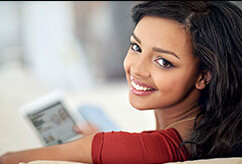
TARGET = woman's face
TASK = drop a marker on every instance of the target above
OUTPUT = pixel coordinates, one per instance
(160, 68)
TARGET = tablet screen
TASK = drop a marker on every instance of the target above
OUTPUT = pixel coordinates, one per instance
(53, 123)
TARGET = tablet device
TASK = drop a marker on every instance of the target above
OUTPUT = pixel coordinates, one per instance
(95, 115)
(51, 119)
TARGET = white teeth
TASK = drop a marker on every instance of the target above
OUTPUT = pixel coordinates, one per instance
(133, 84)
(140, 88)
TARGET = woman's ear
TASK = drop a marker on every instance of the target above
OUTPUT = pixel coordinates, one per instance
(203, 79)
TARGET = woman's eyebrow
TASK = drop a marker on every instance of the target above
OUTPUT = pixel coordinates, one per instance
(156, 48)
(164, 51)
(136, 38)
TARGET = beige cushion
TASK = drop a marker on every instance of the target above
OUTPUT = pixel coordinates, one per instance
(232, 160)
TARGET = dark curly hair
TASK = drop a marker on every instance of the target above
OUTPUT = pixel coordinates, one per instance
(216, 30)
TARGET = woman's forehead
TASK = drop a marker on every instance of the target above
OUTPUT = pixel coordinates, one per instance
(163, 33)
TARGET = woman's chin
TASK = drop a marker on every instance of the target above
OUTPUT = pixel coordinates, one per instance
(139, 106)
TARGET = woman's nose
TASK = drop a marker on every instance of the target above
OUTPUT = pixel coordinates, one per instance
(140, 67)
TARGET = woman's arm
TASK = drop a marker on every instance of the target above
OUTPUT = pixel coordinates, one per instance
(78, 151)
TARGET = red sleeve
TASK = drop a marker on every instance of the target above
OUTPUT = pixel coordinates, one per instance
(146, 147)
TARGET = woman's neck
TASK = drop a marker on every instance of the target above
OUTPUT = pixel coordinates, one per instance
(166, 117)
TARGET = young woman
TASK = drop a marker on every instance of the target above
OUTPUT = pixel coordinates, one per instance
(184, 62)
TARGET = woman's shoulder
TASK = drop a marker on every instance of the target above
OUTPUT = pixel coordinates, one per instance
(167, 134)
(169, 137)
(159, 145)
(171, 132)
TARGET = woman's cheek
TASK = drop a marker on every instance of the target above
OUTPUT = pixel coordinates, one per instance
(126, 63)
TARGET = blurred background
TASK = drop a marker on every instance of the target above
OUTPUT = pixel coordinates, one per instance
(76, 47)
(66, 45)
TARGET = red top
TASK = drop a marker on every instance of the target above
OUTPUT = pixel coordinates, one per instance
(157, 146)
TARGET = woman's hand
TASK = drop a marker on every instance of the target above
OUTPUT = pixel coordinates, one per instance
(88, 130)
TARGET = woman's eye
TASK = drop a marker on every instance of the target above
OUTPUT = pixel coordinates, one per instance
(164, 63)
(135, 47)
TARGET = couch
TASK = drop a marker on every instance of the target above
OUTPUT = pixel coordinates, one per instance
(232, 160)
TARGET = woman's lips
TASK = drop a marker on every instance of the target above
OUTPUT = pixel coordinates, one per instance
(140, 83)
(140, 92)
(140, 89)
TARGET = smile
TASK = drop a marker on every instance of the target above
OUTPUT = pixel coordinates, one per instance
(140, 89)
